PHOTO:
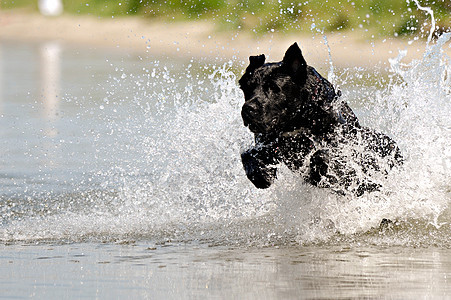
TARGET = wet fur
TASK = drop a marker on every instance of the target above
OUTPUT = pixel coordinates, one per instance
(298, 119)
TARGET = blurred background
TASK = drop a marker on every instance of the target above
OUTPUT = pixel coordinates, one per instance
(376, 17)
(374, 30)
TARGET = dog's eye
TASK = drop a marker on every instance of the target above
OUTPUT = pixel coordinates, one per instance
(273, 87)
(248, 91)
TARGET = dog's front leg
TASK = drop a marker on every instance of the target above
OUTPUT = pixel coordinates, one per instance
(319, 165)
(259, 166)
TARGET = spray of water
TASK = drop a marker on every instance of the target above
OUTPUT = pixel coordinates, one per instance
(429, 11)
(169, 169)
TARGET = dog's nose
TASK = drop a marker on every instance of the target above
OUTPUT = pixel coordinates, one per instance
(251, 110)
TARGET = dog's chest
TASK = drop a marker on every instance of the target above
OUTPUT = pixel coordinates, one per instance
(294, 147)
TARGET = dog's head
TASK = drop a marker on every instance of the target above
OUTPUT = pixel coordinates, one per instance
(280, 94)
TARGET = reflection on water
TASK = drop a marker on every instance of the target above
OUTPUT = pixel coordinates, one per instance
(189, 271)
(50, 73)
(49, 114)
(1, 81)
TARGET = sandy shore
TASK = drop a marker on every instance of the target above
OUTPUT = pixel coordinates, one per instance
(199, 39)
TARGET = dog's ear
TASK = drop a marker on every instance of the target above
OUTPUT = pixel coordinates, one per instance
(255, 62)
(294, 63)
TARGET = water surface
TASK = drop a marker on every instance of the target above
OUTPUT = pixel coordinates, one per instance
(120, 176)
(194, 271)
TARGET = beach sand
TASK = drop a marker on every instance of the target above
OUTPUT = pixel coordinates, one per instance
(201, 39)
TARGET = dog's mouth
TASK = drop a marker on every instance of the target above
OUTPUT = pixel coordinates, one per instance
(256, 128)
(257, 121)
(263, 126)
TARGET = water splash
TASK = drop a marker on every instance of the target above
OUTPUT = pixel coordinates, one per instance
(429, 11)
(168, 168)
(417, 111)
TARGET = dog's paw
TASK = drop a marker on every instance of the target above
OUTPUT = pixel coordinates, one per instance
(261, 175)
(319, 164)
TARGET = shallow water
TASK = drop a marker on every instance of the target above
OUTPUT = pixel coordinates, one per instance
(193, 271)
(123, 174)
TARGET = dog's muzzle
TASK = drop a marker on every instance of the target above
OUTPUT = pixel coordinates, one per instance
(255, 119)
(251, 112)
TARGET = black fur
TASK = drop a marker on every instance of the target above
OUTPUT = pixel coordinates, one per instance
(298, 119)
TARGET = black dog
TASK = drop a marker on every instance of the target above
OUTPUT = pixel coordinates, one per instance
(298, 119)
